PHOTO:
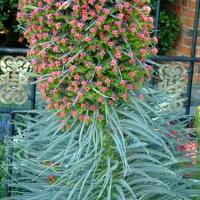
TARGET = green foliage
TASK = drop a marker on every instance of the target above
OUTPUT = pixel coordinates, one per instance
(163, 3)
(197, 121)
(169, 26)
(7, 9)
(2, 172)
(169, 31)
(9, 31)
(132, 157)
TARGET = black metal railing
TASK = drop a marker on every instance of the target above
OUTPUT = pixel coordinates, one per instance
(191, 60)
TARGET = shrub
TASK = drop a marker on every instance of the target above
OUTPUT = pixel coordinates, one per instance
(197, 121)
(9, 32)
(169, 26)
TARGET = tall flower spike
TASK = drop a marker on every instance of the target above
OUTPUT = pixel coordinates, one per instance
(75, 33)
(117, 141)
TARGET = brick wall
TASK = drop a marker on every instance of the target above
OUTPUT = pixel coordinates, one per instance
(186, 12)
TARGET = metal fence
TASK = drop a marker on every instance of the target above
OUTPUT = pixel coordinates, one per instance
(190, 60)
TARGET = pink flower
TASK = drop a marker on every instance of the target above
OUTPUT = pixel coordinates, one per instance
(118, 55)
(106, 27)
(155, 40)
(102, 53)
(93, 108)
(132, 74)
(149, 68)
(102, 1)
(80, 25)
(111, 103)
(115, 33)
(56, 39)
(43, 53)
(72, 68)
(111, 44)
(83, 105)
(127, 5)
(50, 79)
(143, 51)
(64, 41)
(141, 96)
(154, 50)
(118, 23)
(98, 8)
(91, 1)
(58, 25)
(125, 96)
(107, 81)
(120, 15)
(81, 117)
(75, 83)
(106, 11)
(92, 13)
(113, 62)
(103, 90)
(93, 30)
(151, 19)
(114, 97)
(131, 87)
(147, 9)
(132, 61)
(55, 91)
(83, 54)
(86, 119)
(101, 100)
(75, 8)
(120, 6)
(84, 17)
(123, 82)
(68, 105)
(98, 83)
(88, 39)
(56, 49)
(84, 83)
(62, 114)
(122, 30)
(98, 68)
(74, 113)
(65, 60)
(77, 77)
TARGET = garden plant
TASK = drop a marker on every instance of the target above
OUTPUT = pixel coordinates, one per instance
(2, 174)
(9, 31)
(104, 134)
(169, 25)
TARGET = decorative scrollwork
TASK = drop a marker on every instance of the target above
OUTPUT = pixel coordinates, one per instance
(14, 80)
(172, 79)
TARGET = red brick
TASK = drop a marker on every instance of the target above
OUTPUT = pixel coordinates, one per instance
(185, 50)
(187, 41)
(192, 4)
(189, 13)
(184, 2)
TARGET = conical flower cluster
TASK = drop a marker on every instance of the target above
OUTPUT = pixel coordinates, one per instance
(89, 53)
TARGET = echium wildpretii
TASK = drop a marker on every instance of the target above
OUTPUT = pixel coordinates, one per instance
(89, 53)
